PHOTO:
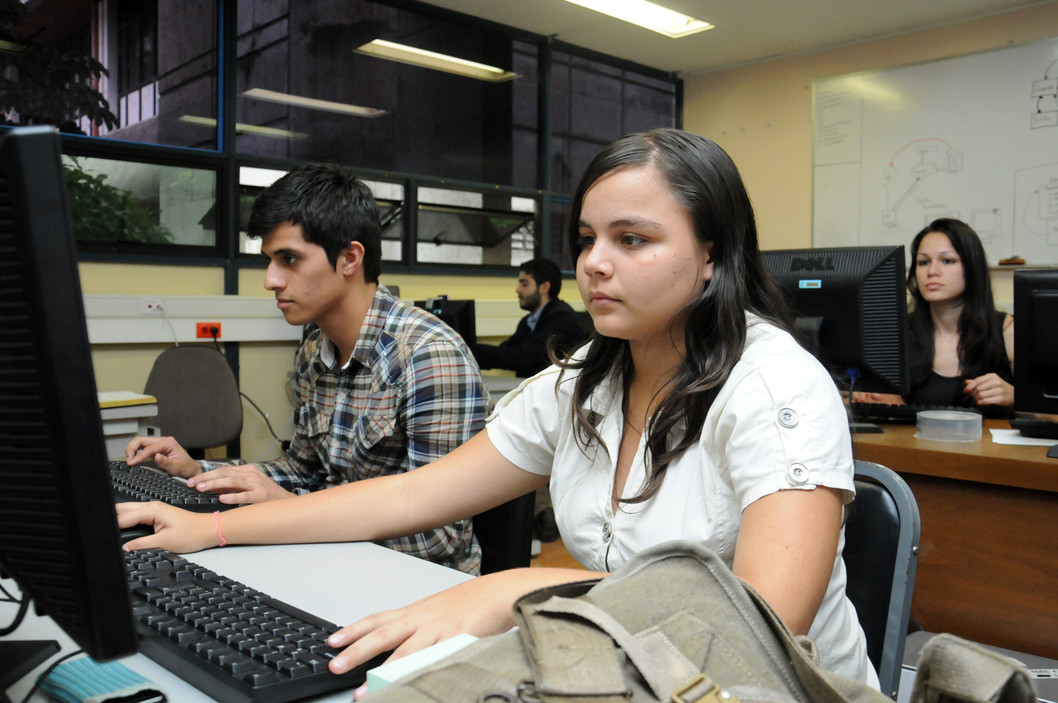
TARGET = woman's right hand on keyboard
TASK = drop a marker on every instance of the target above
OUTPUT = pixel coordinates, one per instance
(480, 607)
(175, 529)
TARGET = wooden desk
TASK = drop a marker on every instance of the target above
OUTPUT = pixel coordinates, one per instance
(988, 564)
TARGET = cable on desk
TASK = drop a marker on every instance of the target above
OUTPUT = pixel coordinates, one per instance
(44, 674)
(23, 608)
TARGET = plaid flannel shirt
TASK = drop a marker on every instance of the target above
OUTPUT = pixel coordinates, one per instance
(410, 394)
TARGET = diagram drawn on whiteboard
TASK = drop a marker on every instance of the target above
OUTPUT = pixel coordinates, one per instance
(1046, 94)
(971, 137)
(1036, 202)
(909, 168)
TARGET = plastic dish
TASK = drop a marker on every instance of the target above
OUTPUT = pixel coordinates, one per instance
(948, 425)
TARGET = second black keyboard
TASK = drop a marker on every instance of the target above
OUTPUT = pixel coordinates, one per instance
(893, 414)
(227, 639)
(140, 484)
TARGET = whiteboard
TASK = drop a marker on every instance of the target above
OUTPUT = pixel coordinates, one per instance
(973, 137)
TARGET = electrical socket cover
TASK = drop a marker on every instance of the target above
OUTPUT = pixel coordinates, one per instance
(204, 330)
(150, 306)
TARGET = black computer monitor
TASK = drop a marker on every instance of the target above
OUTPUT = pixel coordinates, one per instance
(1035, 360)
(457, 314)
(850, 309)
(58, 531)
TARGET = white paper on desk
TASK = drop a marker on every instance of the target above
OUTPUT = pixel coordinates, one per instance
(1000, 436)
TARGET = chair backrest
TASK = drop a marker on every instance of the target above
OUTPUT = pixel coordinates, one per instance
(505, 534)
(881, 553)
(198, 398)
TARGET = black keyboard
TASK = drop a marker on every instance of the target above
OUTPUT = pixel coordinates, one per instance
(894, 414)
(1036, 427)
(231, 641)
(141, 484)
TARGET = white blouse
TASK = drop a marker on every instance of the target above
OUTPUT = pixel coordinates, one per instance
(778, 423)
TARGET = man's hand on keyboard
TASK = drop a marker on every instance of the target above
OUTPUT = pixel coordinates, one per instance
(244, 483)
(174, 529)
(166, 452)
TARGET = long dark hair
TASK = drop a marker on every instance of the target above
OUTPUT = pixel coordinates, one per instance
(704, 179)
(981, 346)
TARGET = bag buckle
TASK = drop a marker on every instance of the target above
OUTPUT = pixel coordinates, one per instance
(701, 689)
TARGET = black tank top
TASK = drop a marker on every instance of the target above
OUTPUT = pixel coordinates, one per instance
(948, 390)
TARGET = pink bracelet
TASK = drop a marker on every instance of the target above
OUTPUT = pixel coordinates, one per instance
(216, 521)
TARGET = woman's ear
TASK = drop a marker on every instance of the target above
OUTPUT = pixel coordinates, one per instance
(707, 261)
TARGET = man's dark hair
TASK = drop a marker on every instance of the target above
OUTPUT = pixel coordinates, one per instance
(333, 208)
(544, 270)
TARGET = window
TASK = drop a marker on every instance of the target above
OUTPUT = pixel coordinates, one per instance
(137, 50)
(115, 202)
(472, 228)
(301, 78)
(453, 161)
(595, 103)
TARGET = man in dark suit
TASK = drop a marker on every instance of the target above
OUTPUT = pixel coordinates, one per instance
(550, 321)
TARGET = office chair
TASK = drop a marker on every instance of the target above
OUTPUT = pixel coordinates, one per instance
(198, 398)
(505, 534)
(881, 552)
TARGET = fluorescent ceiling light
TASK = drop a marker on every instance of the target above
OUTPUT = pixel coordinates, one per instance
(439, 62)
(274, 96)
(246, 128)
(12, 47)
(646, 14)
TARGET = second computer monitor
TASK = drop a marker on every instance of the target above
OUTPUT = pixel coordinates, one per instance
(457, 314)
(1035, 341)
(850, 308)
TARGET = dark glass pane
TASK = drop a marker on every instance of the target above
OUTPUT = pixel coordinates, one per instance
(594, 103)
(136, 70)
(301, 77)
(558, 247)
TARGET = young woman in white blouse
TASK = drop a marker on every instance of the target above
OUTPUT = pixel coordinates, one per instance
(691, 414)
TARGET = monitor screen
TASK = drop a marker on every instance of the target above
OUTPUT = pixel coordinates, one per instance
(850, 310)
(457, 314)
(1035, 341)
(58, 530)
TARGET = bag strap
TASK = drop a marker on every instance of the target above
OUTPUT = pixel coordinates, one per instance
(821, 686)
(583, 659)
(570, 657)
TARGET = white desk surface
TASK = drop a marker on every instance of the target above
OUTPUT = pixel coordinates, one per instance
(339, 582)
(499, 385)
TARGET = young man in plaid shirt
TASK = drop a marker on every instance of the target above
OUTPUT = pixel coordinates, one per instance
(381, 387)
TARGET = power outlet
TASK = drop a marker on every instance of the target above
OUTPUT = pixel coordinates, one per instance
(150, 306)
(207, 330)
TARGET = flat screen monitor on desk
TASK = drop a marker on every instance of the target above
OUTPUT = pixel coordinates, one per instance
(457, 314)
(58, 530)
(1035, 356)
(850, 309)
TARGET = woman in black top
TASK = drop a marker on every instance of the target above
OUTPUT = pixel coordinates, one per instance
(962, 348)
